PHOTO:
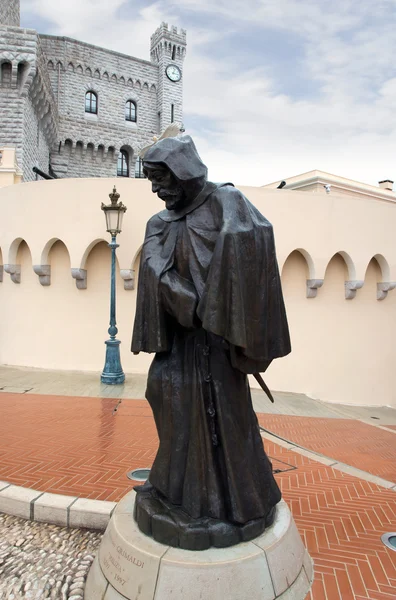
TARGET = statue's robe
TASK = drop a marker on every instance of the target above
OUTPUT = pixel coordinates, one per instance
(210, 306)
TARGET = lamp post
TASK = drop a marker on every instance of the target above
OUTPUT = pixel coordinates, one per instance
(112, 371)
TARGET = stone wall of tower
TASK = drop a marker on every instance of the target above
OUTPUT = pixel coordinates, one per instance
(42, 99)
(28, 111)
(10, 12)
(168, 46)
(94, 141)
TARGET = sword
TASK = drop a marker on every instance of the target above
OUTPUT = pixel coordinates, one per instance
(263, 385)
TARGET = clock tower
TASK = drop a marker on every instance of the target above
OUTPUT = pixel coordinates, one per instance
(168, 49)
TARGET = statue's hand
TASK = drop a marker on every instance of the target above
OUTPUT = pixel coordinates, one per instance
(179, 298)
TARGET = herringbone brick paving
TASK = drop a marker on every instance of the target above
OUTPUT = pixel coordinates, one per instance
(77, 446)
(346, 440)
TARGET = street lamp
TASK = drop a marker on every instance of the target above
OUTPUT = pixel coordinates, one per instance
(112, 371)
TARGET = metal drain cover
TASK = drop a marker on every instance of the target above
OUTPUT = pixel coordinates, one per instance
(139, 474)
(389, 539)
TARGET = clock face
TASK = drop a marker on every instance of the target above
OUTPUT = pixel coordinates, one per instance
(173, 73)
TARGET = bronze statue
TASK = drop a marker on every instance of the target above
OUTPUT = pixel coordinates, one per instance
(210, 307)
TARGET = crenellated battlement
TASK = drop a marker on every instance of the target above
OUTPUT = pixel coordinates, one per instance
(172, 34)
(168, 42)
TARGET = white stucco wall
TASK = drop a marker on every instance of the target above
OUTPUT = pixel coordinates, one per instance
(343, 350)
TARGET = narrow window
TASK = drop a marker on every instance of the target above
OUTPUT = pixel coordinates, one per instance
(123, 164)
(139, 169)
(174, 53)
(130, 111)
(6, 71)
(91, 103)
(172, 113)
(20, 74)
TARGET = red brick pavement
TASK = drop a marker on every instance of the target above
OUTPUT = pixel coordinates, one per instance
(76, 446)
(362, 446)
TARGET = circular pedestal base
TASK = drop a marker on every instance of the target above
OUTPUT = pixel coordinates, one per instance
(170, 525)
(131, 565)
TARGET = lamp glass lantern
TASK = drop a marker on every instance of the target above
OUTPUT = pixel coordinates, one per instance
(114, 213)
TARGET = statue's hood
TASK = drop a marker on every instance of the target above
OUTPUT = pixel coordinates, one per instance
(180, 156)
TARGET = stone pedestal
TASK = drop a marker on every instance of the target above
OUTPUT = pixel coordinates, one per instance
(133, 566)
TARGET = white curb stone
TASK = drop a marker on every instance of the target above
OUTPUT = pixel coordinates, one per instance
(53, 508)
(93, 514)
(17, 501)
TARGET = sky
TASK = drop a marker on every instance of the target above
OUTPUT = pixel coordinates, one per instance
(272, 88)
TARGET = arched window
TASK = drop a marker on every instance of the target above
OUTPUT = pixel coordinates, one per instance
(123, 164)
(6, 72)
(91, 103)
(130, 111)
(139, 169)
(22, 70)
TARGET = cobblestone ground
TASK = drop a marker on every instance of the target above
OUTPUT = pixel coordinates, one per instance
(44, 561)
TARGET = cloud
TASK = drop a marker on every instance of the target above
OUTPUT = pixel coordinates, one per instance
(271, 87)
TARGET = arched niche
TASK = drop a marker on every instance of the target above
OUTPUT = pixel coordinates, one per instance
(67, 147)
(59, 263)
(372, 277)
(336, 274)
(79, 149)
(22, 265)
(295, 273)
(351, 283)
(383, 276)
(97, 266)
(88, 250)
(383, 265)
(130, 276)
(49, 261)
(46, 251)
(349, 263)
(13, 250)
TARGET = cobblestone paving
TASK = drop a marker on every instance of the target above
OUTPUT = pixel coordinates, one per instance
(44, 561)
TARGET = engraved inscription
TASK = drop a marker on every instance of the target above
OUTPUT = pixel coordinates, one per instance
(132, 559)
(119, 579)
(115, 564)
(123, 566)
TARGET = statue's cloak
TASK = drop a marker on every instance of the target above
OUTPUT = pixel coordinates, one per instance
(210, 306)
(232, 264)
